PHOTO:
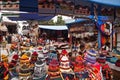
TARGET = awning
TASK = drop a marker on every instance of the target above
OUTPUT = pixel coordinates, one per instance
(6, 19)
(3, 27)
(30, 16)
(52, 27)
(107, 2)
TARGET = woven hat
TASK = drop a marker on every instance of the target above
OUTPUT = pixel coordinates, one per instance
(79, 59)
(41, 57)
(64, 64)
(24, 58)
(64, 52)
(39, 63)
(52, 48)
(4, 58)
(90, 56)
(54, 62)
(15, 57)
(101, 59)
(35, 53)
(53, 69)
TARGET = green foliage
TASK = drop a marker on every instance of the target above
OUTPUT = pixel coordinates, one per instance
(59, 21)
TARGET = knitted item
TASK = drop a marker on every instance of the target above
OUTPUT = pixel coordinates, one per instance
(4, 71)
(90, 56)
(65, 64)
(117, 63)
(53, 69)
(64, 52)
(40, 69)
(4, 58)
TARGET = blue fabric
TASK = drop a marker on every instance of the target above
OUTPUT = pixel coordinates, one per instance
(30, 16)
(29, 6)
(107, 2)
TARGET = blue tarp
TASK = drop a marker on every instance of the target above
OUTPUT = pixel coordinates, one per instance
(30, 16)
(53, 27)
(107, 2)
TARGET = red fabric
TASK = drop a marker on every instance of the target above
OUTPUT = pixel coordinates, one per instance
(64, 52)
(35, 53)
(15, 57)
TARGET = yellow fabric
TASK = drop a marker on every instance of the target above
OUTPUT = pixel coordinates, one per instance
(6, 77)
(24, 57)
(4, 56)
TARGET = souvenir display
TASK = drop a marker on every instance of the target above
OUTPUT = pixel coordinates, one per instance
(39, 70)
(33, 60)
(107, 72)
(4, 58)
(80, 69)
(24, 70)
(53, 70)
(15, 59)
(34, 57)
(12, 71)
(90, 56)
(4, 73)
(117, 63)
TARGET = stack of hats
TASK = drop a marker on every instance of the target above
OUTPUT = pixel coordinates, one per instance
(117, 63)
(39, 70)
(4, 58)
(15, 59)
(90, 56)
(65, 64)
(53, 69)
(24, 66)
(52, 48)
(12, 70)
(34, 57)
(41, 57)
(3, 72)
(101, 59)
(78, 66)
(63, 53)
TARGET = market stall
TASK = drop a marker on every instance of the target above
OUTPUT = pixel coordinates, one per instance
(82, 32)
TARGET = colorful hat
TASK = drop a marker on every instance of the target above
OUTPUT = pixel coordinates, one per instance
(79, 59)
(64, 52)
(90, 56)
(15, 57)
(40, 69)
(40, 47)
(53, 69)
(64, 64)
(24, 58)
(35, 53)
(41, 57)
(52, 48)
(101, 59)
(4, 58)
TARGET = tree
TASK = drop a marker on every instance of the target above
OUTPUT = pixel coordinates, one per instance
(60, 21)
(51, 22)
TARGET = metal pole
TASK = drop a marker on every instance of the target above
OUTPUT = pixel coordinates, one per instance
(1, 35)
